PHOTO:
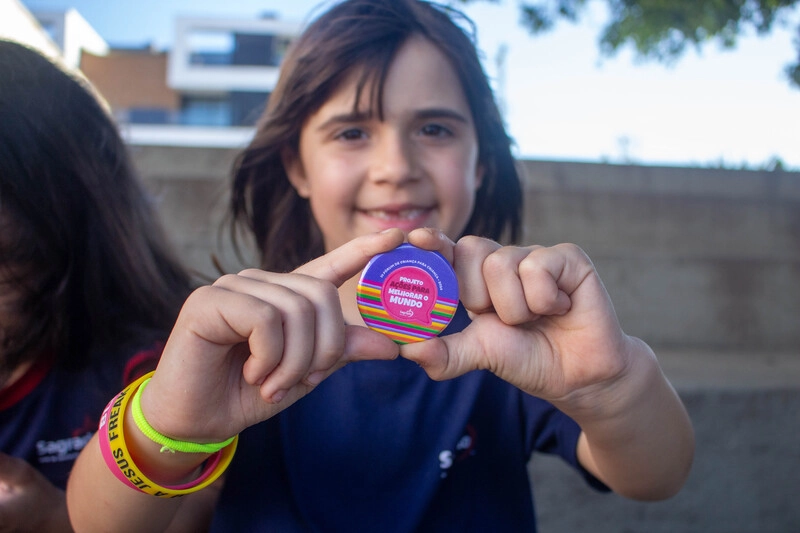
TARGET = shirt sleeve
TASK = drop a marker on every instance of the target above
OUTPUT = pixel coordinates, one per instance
(552, 432)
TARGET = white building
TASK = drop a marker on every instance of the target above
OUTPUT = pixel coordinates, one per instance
(223, 71)
(72, 34)
(61, 35)
(19, 24)
(208, 90)
(226, 69)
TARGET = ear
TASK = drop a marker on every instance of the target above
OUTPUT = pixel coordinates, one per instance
(295, 172)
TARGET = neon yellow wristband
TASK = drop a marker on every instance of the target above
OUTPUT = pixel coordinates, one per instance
(169, 444)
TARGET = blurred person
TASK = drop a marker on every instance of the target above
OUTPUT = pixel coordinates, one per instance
(88, 287)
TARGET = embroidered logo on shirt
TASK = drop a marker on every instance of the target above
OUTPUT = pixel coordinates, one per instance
(57, 451)
(465, 448)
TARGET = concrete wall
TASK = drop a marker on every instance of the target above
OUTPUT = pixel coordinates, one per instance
(190, 189)
(702, 263)
(693, 258)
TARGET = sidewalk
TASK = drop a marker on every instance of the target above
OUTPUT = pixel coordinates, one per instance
(745, 409)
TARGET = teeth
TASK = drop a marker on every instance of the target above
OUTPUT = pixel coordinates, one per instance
(393, 215)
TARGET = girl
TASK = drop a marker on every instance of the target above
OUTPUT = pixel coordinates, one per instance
(88, 288)
(383, 128)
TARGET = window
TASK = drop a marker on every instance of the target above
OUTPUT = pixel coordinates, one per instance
(149, 115)
(223, 47)
(208, 47)
(205, 111)
(246, 107)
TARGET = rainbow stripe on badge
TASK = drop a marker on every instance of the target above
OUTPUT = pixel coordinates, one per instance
(408, 294)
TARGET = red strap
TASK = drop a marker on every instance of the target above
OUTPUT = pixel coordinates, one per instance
(142, 363)
(25, 384)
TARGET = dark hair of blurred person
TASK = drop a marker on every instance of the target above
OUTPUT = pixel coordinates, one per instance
(88, 286)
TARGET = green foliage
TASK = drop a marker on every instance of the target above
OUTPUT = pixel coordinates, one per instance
(661, 30)
(541, 17)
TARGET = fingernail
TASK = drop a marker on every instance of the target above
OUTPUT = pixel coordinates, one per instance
(278, 396)
(315, 378)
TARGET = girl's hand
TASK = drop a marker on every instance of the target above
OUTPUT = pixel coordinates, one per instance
(542, 319)
(28, 501)
(252, 344)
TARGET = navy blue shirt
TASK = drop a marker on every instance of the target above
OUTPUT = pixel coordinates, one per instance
(49, 414)
(379, 446)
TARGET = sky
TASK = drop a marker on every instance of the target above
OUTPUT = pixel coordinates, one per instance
(562, 100)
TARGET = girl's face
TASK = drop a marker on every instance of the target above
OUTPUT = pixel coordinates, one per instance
(416, 168)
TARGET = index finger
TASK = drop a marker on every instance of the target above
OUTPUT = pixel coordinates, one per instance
(341, 264)
(434, 240)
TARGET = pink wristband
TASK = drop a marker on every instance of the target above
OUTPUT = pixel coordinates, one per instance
(106, 431)
(119, 461)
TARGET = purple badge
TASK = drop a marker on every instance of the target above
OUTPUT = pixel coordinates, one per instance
(408, 294)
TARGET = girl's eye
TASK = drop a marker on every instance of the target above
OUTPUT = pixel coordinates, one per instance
(352, 134)
(435, 130)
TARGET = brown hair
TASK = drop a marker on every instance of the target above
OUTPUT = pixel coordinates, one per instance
(365, 35)
(81, 246)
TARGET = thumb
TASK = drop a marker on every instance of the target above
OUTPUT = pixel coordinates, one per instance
(444, 357)
(362, 344)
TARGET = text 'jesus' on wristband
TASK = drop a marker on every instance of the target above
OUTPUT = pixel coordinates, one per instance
(111, 438)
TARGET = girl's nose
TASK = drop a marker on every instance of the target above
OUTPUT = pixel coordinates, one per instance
(393, 160)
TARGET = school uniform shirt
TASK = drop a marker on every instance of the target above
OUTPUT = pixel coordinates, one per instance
(49, 414)
(379, 446)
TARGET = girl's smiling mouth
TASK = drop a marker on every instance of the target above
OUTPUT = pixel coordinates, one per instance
(410, 213)
(404, 217)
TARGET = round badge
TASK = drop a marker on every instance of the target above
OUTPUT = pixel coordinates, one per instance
(408, 294)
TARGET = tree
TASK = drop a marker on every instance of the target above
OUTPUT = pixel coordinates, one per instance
(661, 30)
